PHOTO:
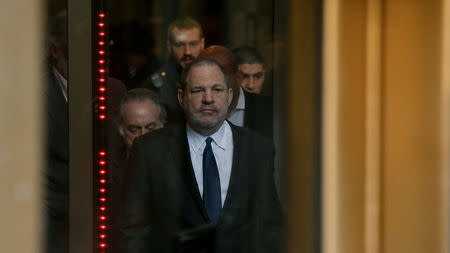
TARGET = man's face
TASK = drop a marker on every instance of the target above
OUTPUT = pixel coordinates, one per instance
(251, 77)
(138, 118)
(206, 99)
(186, 45)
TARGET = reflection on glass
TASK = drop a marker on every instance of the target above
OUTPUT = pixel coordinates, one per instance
(151, 51)
(57, 132)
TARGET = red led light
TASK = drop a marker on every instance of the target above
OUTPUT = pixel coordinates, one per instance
(102, 15)
(102, 70)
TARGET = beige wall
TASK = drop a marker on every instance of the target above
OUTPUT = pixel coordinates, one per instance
(21, 113)
(383, 133)
(412, 167)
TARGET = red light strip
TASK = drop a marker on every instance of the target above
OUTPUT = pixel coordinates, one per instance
(102, 187)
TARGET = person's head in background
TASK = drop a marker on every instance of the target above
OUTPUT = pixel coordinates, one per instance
(57, 43)
(250, 75)
(185, 40)
(227, 59)
(140, 112)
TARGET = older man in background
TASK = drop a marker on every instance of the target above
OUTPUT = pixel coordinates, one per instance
(140, 112)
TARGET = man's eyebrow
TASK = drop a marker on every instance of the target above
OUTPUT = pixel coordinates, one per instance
(218, 85)
(150, 124)
(185, 42)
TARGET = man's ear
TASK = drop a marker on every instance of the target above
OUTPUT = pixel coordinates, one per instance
(203, 43)
(230, 96)
(180, 97)
(121, 131)
(168, 47)
(54, 51)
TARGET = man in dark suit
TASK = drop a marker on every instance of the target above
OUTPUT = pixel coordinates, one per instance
(247, 109)
(251, 73)
(251, 109)
(140, 111)
(258, 113)
(57, 144)
(184, 43)
(204, 171)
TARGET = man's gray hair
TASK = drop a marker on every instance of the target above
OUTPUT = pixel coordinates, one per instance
(142, 94)
(203, 62)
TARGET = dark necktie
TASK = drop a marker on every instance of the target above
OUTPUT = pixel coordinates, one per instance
(211, 184)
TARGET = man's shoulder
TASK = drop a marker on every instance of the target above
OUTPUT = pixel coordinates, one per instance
(250, 136)
(168, 66)
(166, 73)
(50, 81)
(163, 136)
(259, 100)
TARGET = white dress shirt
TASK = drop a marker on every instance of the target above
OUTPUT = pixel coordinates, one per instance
(222, 147)
(237, 116)
(62, 82)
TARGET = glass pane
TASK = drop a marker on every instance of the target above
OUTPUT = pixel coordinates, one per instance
(57, 130)
(151, 45)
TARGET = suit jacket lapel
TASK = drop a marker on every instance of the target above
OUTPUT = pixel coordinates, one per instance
(249, 111)
(189, 177)
(58, 119)
(237, 176)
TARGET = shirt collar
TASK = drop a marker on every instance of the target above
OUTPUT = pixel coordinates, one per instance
(241, 101)
(60, 78)
(62, 83)
(197, 141)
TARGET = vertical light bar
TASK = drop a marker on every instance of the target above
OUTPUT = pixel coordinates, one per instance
(101, 182)
(373, 177)
(445, 125)
(330, 140)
